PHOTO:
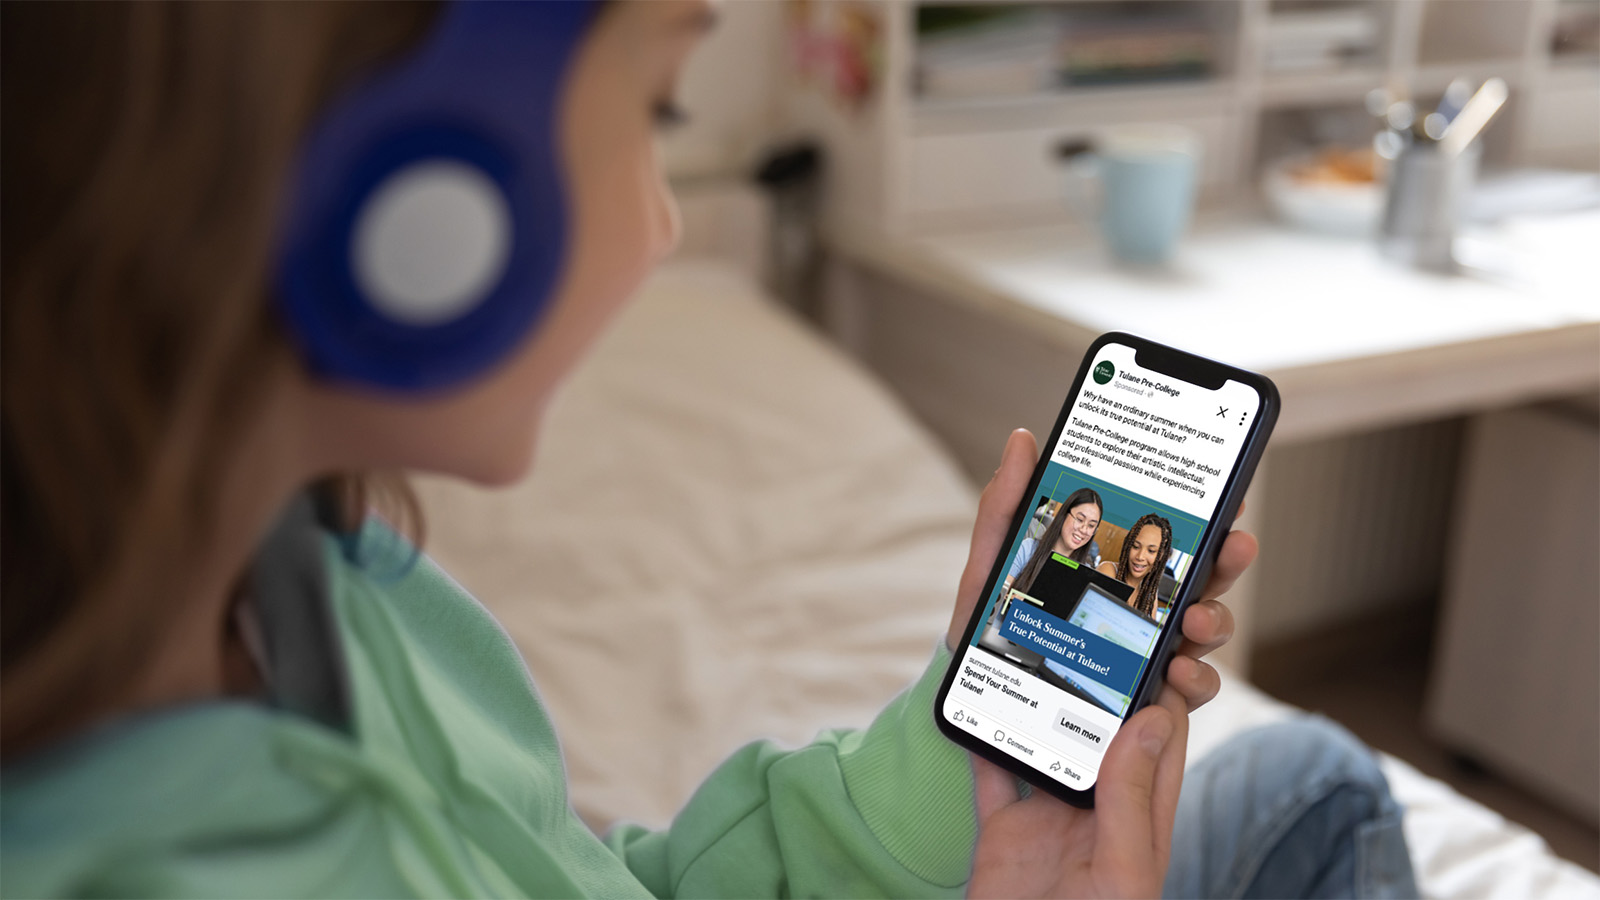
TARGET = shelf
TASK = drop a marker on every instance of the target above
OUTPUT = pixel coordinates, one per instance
(986, 158)
(1316, 88)
(1133, 101)
(1571, 76)
(1433, 79)
(1465, 32)
(1587, 63)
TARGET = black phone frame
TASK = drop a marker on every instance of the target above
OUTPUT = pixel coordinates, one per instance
(1184, 366)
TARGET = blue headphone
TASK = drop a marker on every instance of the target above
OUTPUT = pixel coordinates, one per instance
(429, 223)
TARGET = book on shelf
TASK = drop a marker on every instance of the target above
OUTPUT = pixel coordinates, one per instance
(1320, 38)
(995, 51)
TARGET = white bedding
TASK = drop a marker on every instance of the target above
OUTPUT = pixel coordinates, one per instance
(733, 533)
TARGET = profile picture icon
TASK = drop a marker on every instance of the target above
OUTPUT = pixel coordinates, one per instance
(1104, 371)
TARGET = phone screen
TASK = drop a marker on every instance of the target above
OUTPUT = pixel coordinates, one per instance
(1088, 582)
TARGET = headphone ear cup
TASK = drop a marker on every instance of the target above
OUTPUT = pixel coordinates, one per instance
(431, 242)
(433, 266)
(428, 228)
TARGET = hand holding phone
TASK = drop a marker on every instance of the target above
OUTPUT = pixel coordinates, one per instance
(1040, 846)
(1136, 456)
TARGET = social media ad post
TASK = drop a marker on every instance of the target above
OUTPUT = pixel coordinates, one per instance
(1089, 582)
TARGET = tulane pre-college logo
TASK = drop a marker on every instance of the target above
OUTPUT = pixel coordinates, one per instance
(1104, 371)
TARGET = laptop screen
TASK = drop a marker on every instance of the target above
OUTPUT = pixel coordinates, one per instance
(1102, 614)
(1060, 583)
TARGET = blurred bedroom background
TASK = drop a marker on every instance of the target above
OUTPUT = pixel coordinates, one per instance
(897, 251)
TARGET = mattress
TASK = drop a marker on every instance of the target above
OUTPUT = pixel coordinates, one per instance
(732, 532)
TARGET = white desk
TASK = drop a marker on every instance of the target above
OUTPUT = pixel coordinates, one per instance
(1351, 340)
(978, 329)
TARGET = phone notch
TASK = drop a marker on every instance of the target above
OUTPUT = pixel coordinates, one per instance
(1175, 363)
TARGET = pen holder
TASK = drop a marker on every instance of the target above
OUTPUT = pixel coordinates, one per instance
(1427, 194)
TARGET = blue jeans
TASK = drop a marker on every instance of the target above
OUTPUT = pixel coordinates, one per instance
(1295, 809)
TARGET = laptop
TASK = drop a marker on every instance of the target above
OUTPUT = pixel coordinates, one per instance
(1111, 618)
(1061, 583)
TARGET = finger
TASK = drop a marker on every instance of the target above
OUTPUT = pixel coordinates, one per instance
(1196, 681)
(1239, 550)
(1206, 626)
(995, 787)
(999, 503)
(1125, 844)
(995, 509)
(1168, 780)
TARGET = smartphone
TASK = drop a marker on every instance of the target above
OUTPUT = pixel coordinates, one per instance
(1124, 516)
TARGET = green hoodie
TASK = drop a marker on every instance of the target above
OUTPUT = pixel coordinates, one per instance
(447, 779)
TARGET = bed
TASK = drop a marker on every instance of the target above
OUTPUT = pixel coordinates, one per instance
(732, 532)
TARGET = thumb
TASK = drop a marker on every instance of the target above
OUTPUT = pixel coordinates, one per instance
(1126, 845)
(995, 509)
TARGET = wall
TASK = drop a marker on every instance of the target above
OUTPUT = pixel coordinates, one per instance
(730, 92)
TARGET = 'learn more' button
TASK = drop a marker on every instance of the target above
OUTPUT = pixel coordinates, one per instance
(1082, 732)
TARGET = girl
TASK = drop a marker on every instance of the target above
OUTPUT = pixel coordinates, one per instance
(1070, 533)
(1143, 559)
(260, 257)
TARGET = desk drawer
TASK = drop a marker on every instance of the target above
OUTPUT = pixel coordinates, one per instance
(1017, 170)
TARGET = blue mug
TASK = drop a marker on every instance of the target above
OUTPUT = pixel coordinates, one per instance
(1147, 177)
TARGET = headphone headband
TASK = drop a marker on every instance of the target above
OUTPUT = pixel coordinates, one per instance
(428, 224)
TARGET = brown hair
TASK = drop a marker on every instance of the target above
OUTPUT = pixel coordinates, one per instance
(1145, 600)
(146, 147)
(1052, 532)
